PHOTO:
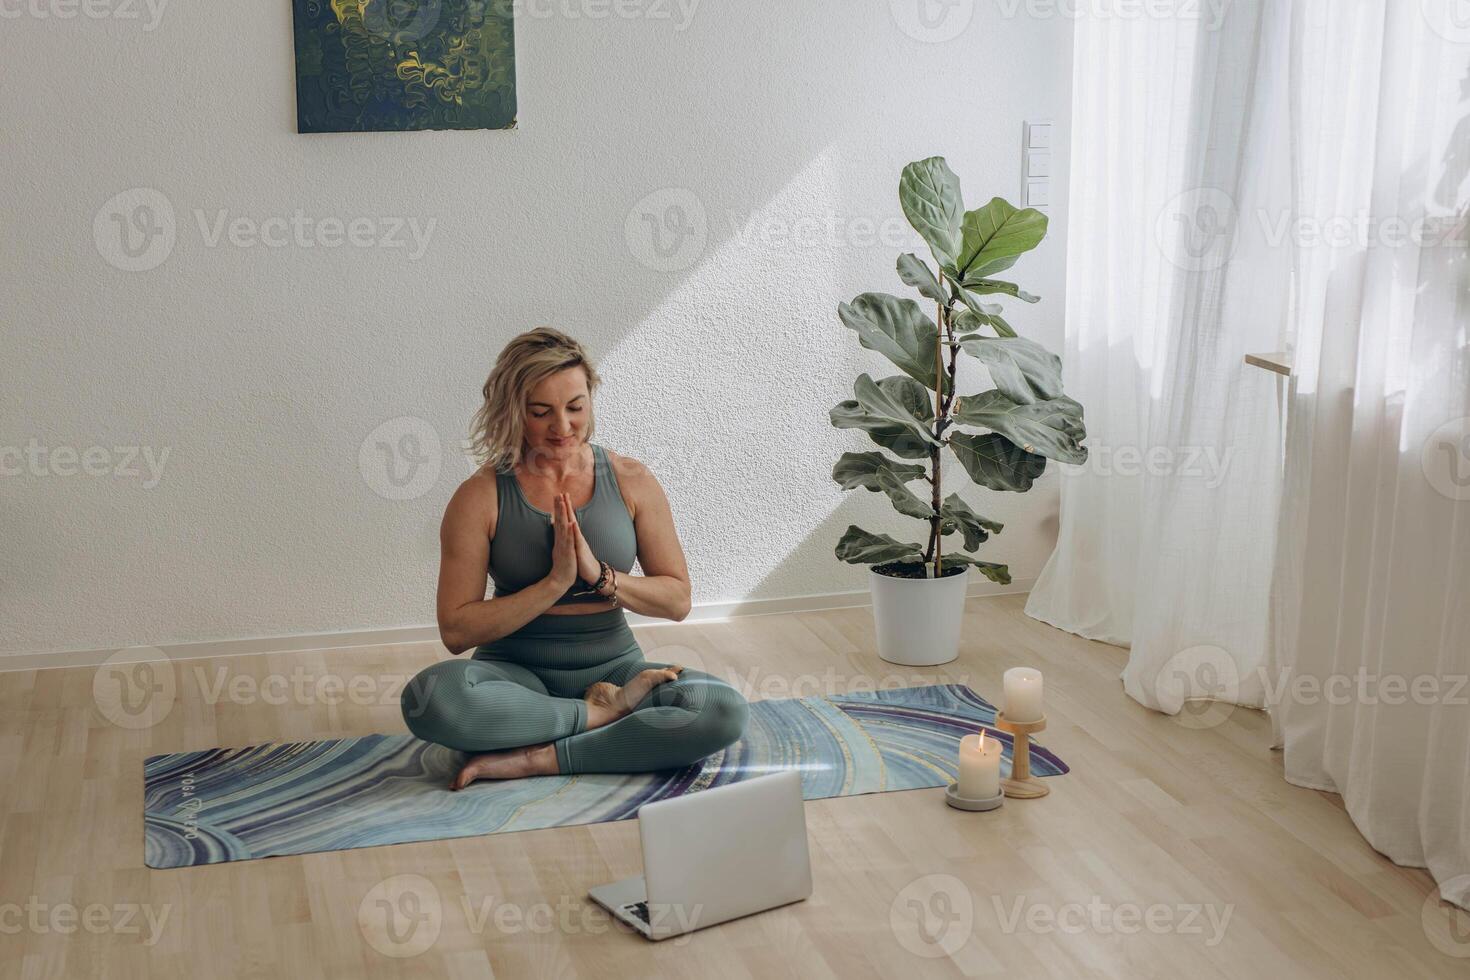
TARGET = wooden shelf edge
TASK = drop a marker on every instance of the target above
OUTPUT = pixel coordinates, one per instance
(1279, 362)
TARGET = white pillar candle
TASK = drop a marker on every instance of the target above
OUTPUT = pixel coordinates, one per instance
(1023, 694)
(979, 767)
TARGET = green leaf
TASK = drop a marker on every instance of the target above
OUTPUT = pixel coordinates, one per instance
(970, 320)
(980, 313)
(985, 287)
(993, 237)
(996, 463)
(999, 574)
(913, 272)
(1022, 369)
(886, 412)
(860, 469)
(874, 471)
(898, 439)
(976, 305)
(897, 329)
(859, 547)
(1052, 428)
(877, 402)
(905, 501)
(913, 396)
(960, 517)
(930, 194)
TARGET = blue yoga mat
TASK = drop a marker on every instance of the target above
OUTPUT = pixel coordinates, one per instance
(298, 797)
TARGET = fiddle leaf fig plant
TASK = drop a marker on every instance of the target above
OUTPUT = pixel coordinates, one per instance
(1023, 421)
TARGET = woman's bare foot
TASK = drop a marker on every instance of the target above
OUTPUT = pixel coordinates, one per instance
(524, 760)
(611, 702)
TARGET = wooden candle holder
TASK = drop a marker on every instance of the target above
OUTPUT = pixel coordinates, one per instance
(1021, 785)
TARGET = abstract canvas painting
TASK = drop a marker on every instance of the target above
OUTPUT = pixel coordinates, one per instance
(381, 65)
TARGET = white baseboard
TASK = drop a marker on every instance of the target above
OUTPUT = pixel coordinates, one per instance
(303, 642)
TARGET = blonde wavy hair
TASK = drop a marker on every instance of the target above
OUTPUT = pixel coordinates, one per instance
(498, 430)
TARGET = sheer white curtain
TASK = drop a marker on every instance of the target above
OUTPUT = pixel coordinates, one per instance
(1371, 603)
(1166, 541)
(1298, 171)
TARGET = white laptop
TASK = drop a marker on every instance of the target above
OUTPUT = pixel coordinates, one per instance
(716, 855)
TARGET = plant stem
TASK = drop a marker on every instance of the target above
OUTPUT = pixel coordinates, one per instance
(935, 549)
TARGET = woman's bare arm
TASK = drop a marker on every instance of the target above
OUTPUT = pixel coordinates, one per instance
(466, 618)
(663, 589)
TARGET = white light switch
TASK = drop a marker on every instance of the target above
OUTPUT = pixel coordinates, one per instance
(1036, 164)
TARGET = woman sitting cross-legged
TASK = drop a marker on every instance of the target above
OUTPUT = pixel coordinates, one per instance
(557, 682)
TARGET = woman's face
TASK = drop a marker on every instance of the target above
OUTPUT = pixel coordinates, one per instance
(557, 414)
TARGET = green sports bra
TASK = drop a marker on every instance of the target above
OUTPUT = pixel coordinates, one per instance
(520, 552)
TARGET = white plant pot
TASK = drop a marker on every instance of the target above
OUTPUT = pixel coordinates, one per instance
(918, 619)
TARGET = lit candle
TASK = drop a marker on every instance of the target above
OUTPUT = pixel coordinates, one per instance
(1023, 694)
(979, 767)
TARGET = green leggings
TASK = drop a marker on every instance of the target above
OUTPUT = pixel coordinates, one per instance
(527, 688)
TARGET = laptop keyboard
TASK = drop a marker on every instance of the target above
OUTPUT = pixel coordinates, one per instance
(639, 909)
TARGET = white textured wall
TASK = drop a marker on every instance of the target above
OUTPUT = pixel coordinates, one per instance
(261, 371)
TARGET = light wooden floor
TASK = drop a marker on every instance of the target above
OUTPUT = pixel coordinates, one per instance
(1118, 872)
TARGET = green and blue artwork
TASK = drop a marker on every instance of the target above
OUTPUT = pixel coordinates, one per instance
(385, 65)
